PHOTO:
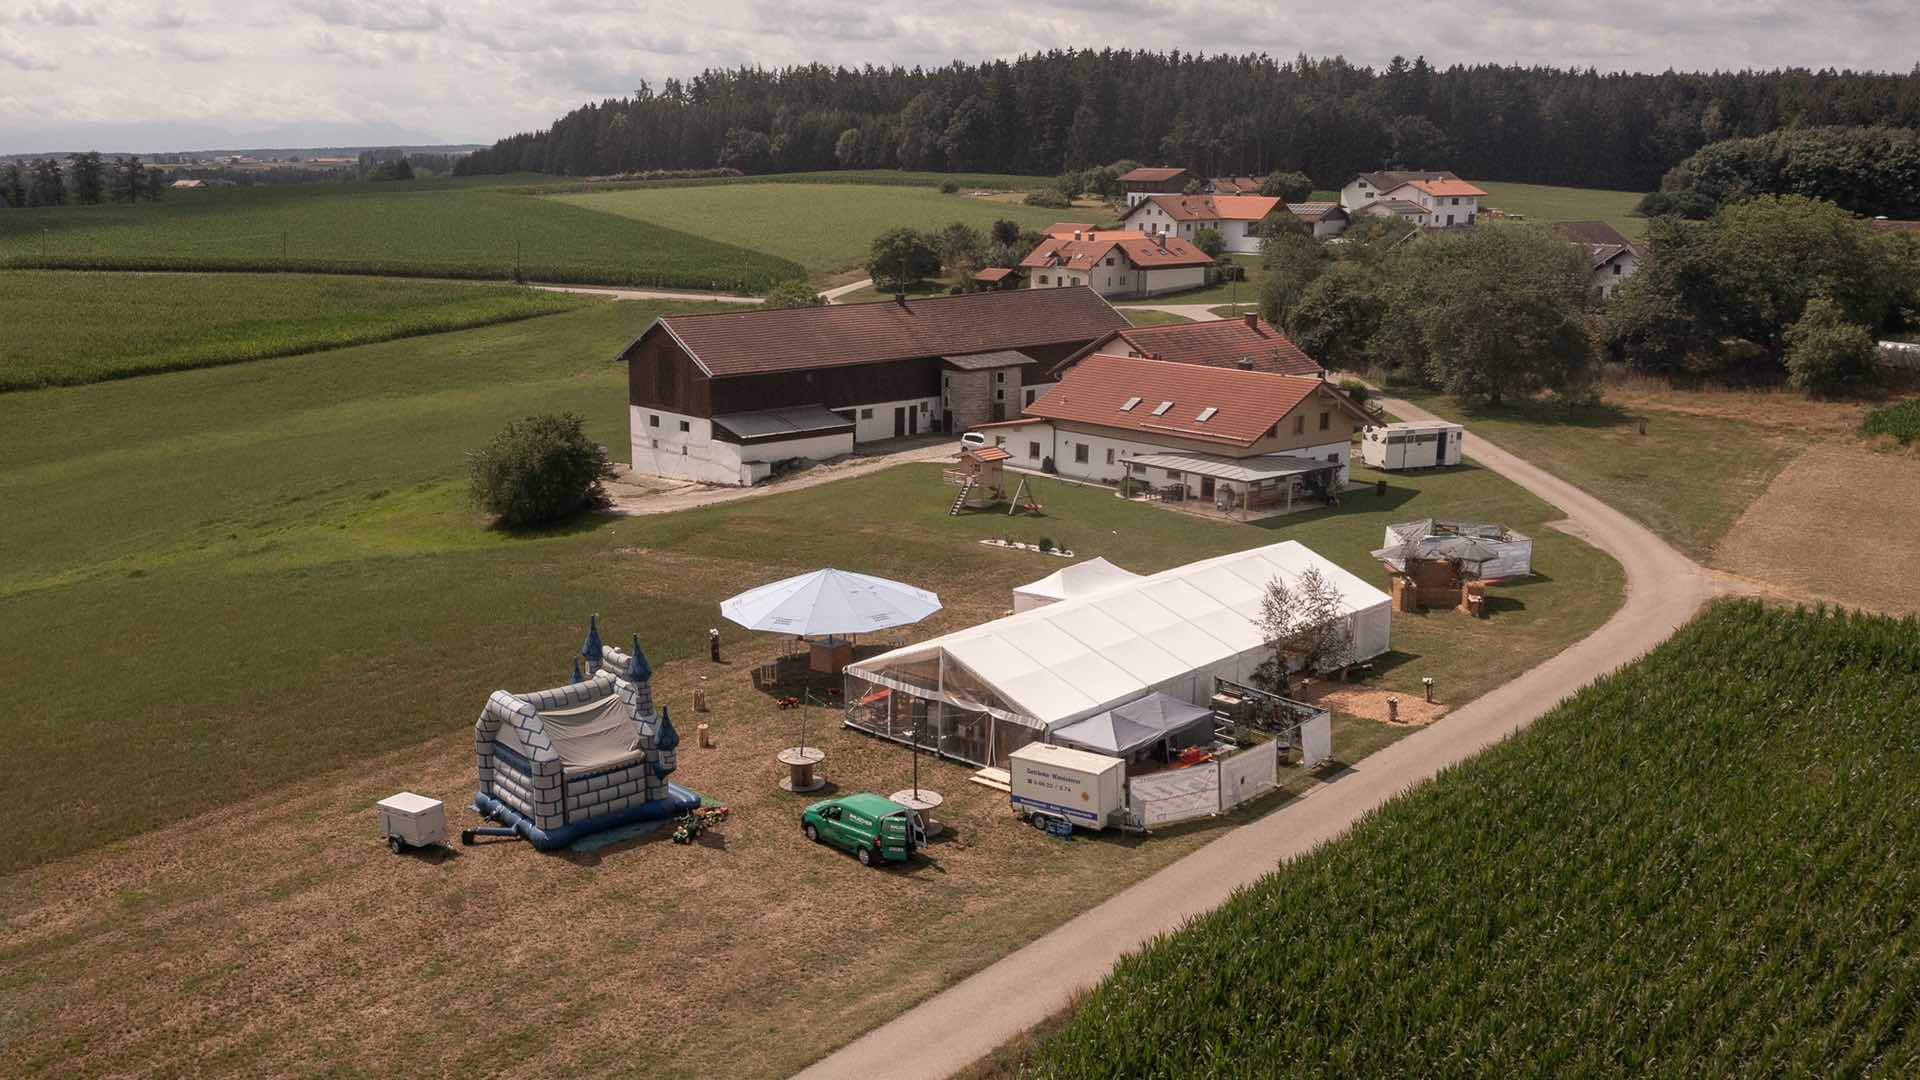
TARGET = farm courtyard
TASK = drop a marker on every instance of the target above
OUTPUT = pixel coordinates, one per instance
(292, 611)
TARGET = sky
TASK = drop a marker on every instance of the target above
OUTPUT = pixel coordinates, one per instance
(153, 75)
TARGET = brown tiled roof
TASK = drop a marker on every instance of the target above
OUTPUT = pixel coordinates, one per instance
(1235, 185)
(1149, 174)
(1315, 211)
(1388, 180)
(1589, 232)
(991, 273)
(1210, 207)
(796, 339)
(1141, 250)
(1246, 404)
(1219, 343)
(986, 453)
(1894, 225)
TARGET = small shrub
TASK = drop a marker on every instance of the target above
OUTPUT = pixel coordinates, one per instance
(1900, 421)
(1046, 543)
(1827, 353)
(793, 293)
(949, 187)
(1050, 198)
(1355, 389)
(538, 471)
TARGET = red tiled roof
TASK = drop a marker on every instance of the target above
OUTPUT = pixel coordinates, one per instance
(991, 273)
(1235, 185)
(1140, 249)
(1148, 174)
(1219, 343)
(1446, 187)
(1210, 207)
(987, 453)
(1387, 180)
(796, 339)
(1068, 228)
(1246, 404)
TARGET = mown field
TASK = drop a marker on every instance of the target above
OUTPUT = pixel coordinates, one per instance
(547, 185)
(822, 227)
(1688, 478)
(1700, 866)
(1543, 203)
(265, 548)
(435, 229)
(65, 327)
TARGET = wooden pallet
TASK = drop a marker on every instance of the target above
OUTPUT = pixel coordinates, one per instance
(997, 779)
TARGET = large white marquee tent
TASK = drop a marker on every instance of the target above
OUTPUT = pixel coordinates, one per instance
(980, 693)
(1095, 575)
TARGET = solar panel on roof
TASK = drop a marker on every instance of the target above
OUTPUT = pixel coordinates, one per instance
(1161, 409)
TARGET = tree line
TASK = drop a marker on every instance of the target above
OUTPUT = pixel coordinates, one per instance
(1243, 115)
(86, 178)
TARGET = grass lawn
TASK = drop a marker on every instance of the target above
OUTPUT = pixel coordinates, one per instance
(1899, 421)
(1542, 203)
(1684, 870)
(1225, 292)
(1688, 478)
(870, 177)
(1145, 317)
(822, 227)
(66, 327)
(283, 609)
(434, 229)
(919, 290)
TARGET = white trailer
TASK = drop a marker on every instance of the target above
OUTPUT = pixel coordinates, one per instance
(409, 820)
(1411, 445)
(1086, 789)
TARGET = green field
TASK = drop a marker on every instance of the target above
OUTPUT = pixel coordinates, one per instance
(66, 327)
(1900, 421)
(1689, 478)
(248, 555)
(1545, 204)
(873, 177)
(823, 227)
(439, 229)
(1700, 866)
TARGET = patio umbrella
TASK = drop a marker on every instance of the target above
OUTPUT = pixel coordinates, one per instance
(828, 602)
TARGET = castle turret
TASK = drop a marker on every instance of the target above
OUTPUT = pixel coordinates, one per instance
(590, 649)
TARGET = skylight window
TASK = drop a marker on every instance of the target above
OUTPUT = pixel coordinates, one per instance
(1131, 402)
(1161, 409)
(1206, 414)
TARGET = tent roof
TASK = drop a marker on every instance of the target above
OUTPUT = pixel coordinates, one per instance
(829, 602)
(1056, 664)
(1125, 728)
(1084, 578)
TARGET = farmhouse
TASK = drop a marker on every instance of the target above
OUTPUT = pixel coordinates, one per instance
(720, 398)
(1326, 218)
(1249, 343)
(1137, 184)
(1115, 262)
(1228, 436)
(1613, 260)
(1236, 218)
(1234, 185)
(1429, 199)
(979, 694)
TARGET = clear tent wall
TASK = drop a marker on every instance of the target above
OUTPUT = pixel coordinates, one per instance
(930, 701)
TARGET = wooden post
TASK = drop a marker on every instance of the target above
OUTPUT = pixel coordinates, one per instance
(706, 737)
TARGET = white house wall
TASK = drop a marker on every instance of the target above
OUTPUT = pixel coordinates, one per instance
(662, 449)
(1607, 281)
(874, 422)
(1061, 446)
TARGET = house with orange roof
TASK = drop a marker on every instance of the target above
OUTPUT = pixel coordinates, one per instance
(1228, 435)
(1236, 218)
(1433, 200)
(1116, 262)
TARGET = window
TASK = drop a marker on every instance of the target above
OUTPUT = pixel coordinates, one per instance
(1109, 455)
(653, 419)
(999, 395)
(999, 376)
(1161, 409)
(1449, 219)
(1029, 397)
(1123, 279)
(1326, 420)
(1173, 474)
(1206, 414)
(1616, 269)
(685, 426)
(1043, 279)
(1456, 202)
(1033, 450)
(866, 414)
(1335, 458)
(1128, 406)
(1080, 453)
(1300, 424)
(1109, 260)
(999, 440)
(1323, 416)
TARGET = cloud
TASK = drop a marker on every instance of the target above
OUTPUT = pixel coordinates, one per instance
(17, 53)
(49, 13)
(407, 16)
(198, 51)
(168, 19)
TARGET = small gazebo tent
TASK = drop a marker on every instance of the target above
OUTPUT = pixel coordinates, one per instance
(1095, 575)
(1140, 724)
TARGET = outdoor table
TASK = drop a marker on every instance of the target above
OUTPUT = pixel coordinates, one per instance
(922, 802)
(800, 761)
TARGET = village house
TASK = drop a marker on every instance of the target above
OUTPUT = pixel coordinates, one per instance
(1249, 343)
(1236, 218)
(1326, 218)
(1250, 439)
(721, 398)
(1435, 200)
(1116, 262)
(1611, 258)
(1137, 184)
(1235, 185)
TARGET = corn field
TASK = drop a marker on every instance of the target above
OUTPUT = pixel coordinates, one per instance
(1704, 865)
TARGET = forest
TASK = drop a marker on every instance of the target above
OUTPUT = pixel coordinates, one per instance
(1248, 114)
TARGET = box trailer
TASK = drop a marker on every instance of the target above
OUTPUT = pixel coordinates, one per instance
(1087, 789)
(409, 820)
(1415, 445)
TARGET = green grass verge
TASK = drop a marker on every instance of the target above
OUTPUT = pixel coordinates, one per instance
(822, 227)
(1696, 867)
(1543, 203)
(441, 229)
(1145, 317)
(1900, 420)
(274, 569)
(1689, 478)
(65, 328)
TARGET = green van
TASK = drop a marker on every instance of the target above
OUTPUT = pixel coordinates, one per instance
(872, 827)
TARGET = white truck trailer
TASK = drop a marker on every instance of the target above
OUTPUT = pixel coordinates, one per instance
(1421, 444)
(1087, 789)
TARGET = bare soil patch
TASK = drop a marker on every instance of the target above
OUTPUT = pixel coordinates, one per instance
(1370, 703)
(1837, 524)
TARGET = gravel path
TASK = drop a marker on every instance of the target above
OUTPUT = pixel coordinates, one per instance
(1664, 589)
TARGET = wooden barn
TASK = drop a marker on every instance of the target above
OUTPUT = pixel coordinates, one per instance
(720, 398)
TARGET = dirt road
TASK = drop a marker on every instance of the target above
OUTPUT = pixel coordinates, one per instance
(1664, 589)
